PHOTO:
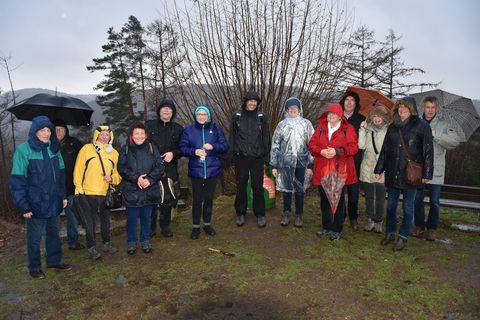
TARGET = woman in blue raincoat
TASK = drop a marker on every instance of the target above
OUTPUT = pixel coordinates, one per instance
(290, 159)
(202, 142)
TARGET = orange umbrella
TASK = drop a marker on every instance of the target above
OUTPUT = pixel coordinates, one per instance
(369, 98)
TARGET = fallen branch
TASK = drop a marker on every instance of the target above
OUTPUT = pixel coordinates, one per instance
(225, 253)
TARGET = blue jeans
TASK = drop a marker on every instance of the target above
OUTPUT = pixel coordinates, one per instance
(133, 213)
(408, 209)
(53, 246)
(434, 213)
(299, 199)
(72, 225)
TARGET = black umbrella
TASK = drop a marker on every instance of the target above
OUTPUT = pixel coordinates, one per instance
(71, 110)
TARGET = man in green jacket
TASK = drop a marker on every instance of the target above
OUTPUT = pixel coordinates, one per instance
(445, 138)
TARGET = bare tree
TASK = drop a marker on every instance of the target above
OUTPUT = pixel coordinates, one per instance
(393, 72)
(163, 56)
(4, 62)
(280, 48)
(364, 58)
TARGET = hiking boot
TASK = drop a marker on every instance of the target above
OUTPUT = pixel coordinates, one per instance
(261, 222)
(146, 247)
(94, 254)
(240, 220)
(167, 232)
(61, 266)
(131, 248)
(195, 233)
(431, 234)
(285, 219)
(354, 225)
(37, 274)
(400, 244)
(334, 236)
(209, 230)
(298, 221)
(389, 237)
(418, 232)
(108, 247)
(322, 232)
(370, 226)
(378, 227)
(76, 246)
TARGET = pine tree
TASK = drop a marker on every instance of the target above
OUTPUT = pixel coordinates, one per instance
(118, 84)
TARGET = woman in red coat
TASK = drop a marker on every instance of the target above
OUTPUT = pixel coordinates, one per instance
(333, 145)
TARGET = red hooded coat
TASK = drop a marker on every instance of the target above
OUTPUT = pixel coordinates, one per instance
(344, 141)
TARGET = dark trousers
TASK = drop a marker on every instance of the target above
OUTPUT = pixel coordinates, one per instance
(91, 208)
(375, 200)
(36, 228)
(299, 199)
(203, 191)
(253, 167)
(330, 221)
(434, 213)
(165, 217)
(353, 191)
(133, 214)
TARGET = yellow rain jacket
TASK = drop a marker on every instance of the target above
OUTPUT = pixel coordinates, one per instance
(88, 173)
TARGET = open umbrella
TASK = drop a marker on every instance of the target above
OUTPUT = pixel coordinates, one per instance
(458, 111)
(369, 98)
(72, 110)
(333, 182)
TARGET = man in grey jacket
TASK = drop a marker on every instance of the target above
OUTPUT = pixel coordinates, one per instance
(444, 138)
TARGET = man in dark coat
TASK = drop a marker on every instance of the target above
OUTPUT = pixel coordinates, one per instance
(250, 146)
(165, 134)
(69, 148)
(350, 103)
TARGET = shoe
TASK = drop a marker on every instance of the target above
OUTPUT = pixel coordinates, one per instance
(261, 222)
(378, 227)
(146, 247)
(76, 246)
(285, 219)
(240, 220)
(298, 221)
(418, 232)
(37, 274)
(400, 244)
(389, 237)
(152, 234)
(108, 247)
(61, 266)
(209, 230)
(431, 234)
(132, 248)
(354, 225)
(167, 232)
(195, 233)
(94, 254)
(370, 226)
(322, 232)
(334, 236)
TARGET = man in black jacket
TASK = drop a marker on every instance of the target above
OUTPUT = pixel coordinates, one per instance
(250, 146)
(69, 148)
(166, 134)
(350, 103)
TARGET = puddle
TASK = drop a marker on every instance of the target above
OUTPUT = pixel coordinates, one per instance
(466, 227)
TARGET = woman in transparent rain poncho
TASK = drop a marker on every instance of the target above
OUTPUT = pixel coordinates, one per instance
(290, 159)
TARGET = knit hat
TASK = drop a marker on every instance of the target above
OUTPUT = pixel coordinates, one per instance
(290, 102)
(204, 108)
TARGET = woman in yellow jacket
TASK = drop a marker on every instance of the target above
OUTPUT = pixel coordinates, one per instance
(91, 184)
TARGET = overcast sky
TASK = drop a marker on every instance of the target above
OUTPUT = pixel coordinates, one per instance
(52, 41)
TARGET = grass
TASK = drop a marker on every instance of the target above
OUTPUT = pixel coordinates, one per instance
(277, 273)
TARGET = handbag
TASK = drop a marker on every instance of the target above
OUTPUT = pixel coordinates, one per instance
(414, 169)
(113, 198)
(169, 191)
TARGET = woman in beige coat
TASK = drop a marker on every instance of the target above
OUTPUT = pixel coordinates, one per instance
(370, 138)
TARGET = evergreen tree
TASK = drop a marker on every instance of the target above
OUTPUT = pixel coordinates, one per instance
(118, 83)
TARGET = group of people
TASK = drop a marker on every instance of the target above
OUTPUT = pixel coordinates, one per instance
(52, 172)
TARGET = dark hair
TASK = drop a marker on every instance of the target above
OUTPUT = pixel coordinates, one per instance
(431, 99)
(137, 125)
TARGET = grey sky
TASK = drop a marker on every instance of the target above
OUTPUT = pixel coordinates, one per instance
(54, 40)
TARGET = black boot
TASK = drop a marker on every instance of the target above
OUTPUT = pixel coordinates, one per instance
(195, 233)
(400, 244)
(389, 237)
